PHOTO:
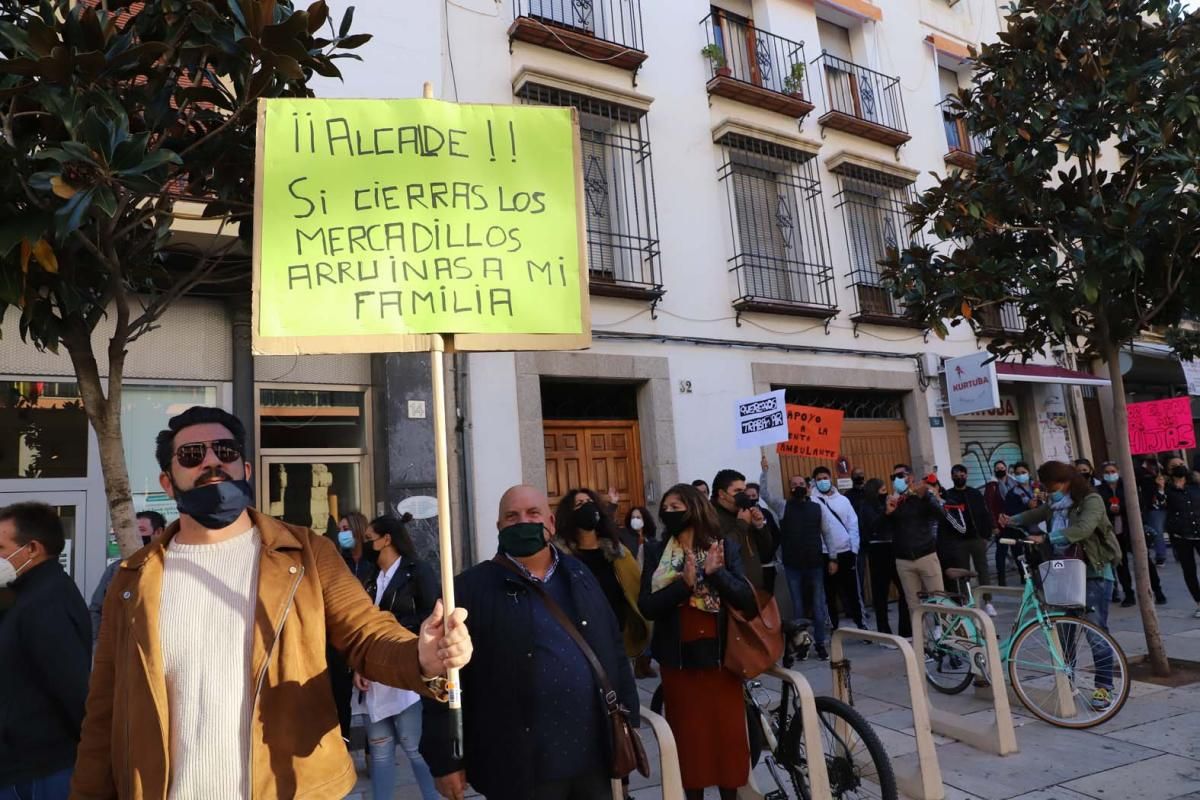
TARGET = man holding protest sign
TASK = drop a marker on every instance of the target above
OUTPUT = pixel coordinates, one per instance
(210, 676)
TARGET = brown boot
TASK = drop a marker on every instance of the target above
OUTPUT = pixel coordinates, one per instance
(642, 668)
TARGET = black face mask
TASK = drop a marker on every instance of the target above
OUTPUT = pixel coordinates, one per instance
(674, 522)
(523, 539)
(959, 482)
(1086, 475)
(586, 517)
(1179, 472)
(858, 480)
(369, 553)
(215, 505)
(1000, 473)
(799, 493)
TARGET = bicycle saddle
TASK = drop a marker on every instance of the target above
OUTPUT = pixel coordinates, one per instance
(957, 574)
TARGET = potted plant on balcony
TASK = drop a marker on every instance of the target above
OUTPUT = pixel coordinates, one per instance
(716, 56)
(793, 82)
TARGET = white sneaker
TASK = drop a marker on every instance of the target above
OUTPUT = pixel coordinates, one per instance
(990, 610)
(937, 631)
(1197, 614)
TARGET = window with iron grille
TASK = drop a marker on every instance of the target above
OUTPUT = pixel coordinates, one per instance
(618, 183)
(873, 207)
(854, 404)
(780, 240)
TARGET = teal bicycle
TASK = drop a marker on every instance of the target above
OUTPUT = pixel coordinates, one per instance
(1066, 670)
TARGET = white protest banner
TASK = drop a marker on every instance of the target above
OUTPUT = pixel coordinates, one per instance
(971, 383)
(1191, 373)
(761, 420)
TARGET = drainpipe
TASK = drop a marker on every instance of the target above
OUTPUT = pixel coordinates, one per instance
(466, 506)
(243, 374)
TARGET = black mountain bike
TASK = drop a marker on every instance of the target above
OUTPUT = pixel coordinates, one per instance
(857, 763)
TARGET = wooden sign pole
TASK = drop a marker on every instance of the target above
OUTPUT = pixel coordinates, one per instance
(441, 459)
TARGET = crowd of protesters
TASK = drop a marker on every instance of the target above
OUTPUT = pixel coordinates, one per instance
(230, 656)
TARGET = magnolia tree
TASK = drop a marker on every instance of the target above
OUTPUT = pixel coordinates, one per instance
(117, 117)
(1082, 210)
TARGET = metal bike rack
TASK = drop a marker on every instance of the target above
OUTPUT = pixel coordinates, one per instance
(996, 736)
(668, 759)
(818, 775)
(923, 780)
(1063, 694)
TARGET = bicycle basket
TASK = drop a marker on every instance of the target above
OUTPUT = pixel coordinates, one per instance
(1064, 582)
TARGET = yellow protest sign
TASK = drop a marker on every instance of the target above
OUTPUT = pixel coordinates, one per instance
(385, 218)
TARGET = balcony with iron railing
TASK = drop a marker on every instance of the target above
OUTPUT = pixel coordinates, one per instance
(963, 147)
(751, 66)
(606, 31)
(861, 101)
(999, 319)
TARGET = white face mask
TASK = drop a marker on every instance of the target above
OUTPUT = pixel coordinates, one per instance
(7, 573)
(637, 523)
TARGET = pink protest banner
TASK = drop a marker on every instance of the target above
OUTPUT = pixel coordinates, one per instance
(1160, 425)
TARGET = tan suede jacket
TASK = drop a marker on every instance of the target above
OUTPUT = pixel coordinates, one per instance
(305, 596)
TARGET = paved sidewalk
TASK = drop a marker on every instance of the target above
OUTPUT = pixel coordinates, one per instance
(1149, 751)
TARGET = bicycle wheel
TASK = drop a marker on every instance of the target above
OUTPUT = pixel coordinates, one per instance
(947, 664)
(857, 763)
(1069, 672)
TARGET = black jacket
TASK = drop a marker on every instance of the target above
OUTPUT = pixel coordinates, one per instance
(498, 685)
(1183, 511)
(1110, 492)
(911, 526)
(411, 593)
(975, 513)
(754, 544)
(871, 526)
(45, 660)
(802, 535)
(662, 608)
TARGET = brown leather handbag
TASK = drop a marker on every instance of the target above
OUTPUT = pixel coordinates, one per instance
(628, 753)
(752, 646)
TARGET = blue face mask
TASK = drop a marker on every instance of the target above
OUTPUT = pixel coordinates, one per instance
(346, 540)
(1057, 496)
(1021, 477)
(1112, 477)
(900, 485)
(824, 485)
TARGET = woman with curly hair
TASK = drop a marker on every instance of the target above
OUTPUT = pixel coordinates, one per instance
(583, 529)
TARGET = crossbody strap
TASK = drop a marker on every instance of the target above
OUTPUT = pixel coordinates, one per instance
(610, 696)
(835, 514)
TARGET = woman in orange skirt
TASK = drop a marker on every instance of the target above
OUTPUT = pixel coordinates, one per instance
(689, 580)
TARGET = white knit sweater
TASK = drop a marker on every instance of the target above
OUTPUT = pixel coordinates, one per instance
(206, 626)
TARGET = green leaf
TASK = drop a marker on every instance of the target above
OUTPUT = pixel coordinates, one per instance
(318, 13)
(356, 40)
(105, 201)
(70, 216)
(154, 160)
(347, 21)
(31, 226)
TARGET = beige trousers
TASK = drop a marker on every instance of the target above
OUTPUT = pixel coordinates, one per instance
(922, 575)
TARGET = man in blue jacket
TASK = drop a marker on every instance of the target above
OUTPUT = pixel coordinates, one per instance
(534, 727)
(45, 657)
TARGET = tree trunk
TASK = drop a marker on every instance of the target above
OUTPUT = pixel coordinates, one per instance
(1137, 537)
(104, 415)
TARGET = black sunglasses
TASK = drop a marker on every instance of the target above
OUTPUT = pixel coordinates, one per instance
(192, 454)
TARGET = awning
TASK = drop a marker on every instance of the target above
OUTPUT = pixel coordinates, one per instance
(1044, 373)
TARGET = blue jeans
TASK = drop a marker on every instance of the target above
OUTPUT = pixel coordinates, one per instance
(51, 787)
(1099, 595)
(382, 738)
(806, 585)
(1155, 521)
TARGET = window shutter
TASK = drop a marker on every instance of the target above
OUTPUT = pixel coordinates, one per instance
(761, 241)
(598, 200)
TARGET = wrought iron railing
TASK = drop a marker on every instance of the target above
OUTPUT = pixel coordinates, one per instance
(616, 21)
(618, 181)
(958, 137)
(860, 92)
(737, 49)
(780, 239)
(1002, 317)
(877, 223)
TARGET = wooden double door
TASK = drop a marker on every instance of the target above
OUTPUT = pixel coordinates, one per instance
(872, 445)
(594, 454)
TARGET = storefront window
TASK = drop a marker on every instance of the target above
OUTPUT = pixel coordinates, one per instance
(144, 412)
(313, 493)
(43, 430)
(311, 419)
